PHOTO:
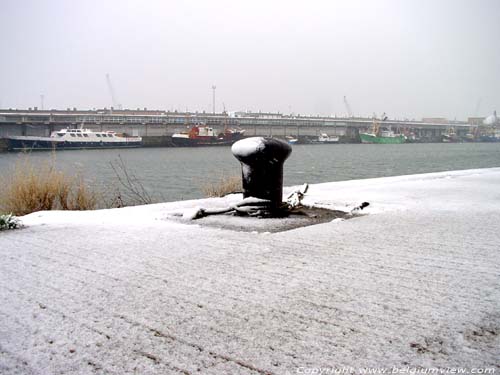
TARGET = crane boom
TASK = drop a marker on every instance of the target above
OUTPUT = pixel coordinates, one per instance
(348, 107)
(114, 101)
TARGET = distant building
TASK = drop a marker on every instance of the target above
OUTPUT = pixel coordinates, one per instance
(475, 120)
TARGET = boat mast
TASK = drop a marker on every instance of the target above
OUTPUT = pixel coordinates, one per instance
(225, 117)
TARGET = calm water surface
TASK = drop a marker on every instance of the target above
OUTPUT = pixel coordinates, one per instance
(178, 173)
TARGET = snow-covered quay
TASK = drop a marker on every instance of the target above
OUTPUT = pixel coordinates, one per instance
(413, 283)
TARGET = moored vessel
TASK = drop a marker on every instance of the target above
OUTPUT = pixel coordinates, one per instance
(490, 131)
(74, 139)
(202, 135)
(490, 135)
(450, 136)
(379, 136)
(325, 138)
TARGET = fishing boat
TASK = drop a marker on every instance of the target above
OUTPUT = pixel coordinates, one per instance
(489, 135)
(291, 140)
(450, 136)
(490, 131)
(381, 136)
(74, 139)
(203, 135)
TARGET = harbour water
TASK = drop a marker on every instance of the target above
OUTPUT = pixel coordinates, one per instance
(171, 174)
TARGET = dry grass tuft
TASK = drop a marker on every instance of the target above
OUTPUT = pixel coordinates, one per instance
(29, 189)
(130, 190)
(223, 186)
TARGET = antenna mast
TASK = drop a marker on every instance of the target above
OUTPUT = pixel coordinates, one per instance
(213, 98)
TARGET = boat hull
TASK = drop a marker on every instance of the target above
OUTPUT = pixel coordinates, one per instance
(19, 144)
(205, 141)
(330, 142)
(371, 138)
(489, 138)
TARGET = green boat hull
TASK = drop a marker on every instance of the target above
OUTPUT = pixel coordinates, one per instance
(371, 138)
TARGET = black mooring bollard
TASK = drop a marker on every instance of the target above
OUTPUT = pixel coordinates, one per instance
(262, 162)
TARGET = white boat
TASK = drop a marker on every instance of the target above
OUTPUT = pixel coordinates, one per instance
(74, 139)
(325, 138)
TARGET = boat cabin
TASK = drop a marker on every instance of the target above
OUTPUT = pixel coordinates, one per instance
(82, 133)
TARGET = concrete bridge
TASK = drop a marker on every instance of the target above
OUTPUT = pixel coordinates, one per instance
(151, 124)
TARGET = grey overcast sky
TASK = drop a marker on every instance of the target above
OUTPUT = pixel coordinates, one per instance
(409, 58)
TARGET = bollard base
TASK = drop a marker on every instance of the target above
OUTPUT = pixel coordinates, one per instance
(263, 212)
(304, 217)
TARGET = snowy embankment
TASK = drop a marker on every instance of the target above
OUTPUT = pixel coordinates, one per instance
(415, 282)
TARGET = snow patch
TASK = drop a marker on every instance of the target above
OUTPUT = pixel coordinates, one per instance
(248, 146)
(130, 291)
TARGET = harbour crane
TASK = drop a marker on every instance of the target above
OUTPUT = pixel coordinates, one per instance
(112, 93)
(348, 107)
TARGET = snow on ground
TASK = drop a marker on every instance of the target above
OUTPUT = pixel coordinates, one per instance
(415, 282)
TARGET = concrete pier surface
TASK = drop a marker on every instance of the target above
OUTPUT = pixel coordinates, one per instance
(413, 283)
